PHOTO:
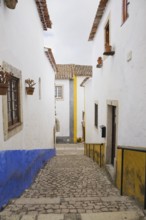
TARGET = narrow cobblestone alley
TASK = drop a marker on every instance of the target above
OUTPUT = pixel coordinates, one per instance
(71, 187)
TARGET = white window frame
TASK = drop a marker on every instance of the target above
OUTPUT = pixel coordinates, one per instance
(57, 96)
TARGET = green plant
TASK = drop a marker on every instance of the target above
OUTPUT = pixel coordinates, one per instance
(30, 82)
(4, 76)
(79, 140)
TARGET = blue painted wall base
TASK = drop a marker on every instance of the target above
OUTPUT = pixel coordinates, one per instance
(18, 168)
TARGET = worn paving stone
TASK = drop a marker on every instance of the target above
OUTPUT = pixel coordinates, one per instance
(112, 216)
(70, 185)
(51, 217)
(41, 200)
(26, 217)
(10, 217)
(72, 217)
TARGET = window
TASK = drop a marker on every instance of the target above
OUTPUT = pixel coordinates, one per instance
(59, 92)
(13, 101)
(96, 115)
(107, 34)
(125, 10)
(12, 104)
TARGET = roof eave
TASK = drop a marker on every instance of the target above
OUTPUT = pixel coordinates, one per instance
(44, 14)
(97, 19)
(84, 81)
(51, 58)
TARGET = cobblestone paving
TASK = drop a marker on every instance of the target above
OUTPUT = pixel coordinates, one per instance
(70, 184)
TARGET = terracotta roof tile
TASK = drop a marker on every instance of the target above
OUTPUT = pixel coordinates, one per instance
(51, 58)
(98, 16)
(67, 71)
(43, 13)
(64, 71)
(81, 70)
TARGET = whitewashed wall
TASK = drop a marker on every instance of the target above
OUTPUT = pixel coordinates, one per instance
(119, 79)
(22, 46)
(80, 105)
(91, 132)
(62, 109)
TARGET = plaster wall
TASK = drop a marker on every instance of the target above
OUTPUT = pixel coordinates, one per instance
(80, 105)
(62, 109)
(91, 132)
(22, 46)
(120, 78)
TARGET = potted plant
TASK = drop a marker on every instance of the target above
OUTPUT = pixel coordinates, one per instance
(79, 140)
(30, 88)
(11, 3)
(99, 62)
(4, 79)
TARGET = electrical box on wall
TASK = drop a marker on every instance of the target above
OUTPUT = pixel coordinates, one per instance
(103, 131)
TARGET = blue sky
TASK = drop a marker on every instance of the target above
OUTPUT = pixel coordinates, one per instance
(72, 21)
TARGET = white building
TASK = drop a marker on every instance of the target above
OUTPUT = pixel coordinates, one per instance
(26, 121)
(116, 95)
(70, 102)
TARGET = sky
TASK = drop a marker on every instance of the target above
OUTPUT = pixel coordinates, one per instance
(71, 25)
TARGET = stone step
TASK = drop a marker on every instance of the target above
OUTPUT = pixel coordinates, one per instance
(69, 151)
(69, 205)
(128, 215)
(58, 200)
(65, 152)
(69, 146)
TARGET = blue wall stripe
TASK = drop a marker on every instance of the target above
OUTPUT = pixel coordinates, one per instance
(18, 168)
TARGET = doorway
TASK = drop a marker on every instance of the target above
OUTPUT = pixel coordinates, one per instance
(112, 110)
(113, 144)
(83, 126)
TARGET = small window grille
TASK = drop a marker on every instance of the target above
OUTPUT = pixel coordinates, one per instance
(59, 92)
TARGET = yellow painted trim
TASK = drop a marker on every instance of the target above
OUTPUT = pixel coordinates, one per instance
(75, 107)
(133, 173)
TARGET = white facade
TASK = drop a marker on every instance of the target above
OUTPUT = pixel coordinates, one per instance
(122, 80)
(63, 109)
(22, 46)
(69, 109)
(80, 106)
